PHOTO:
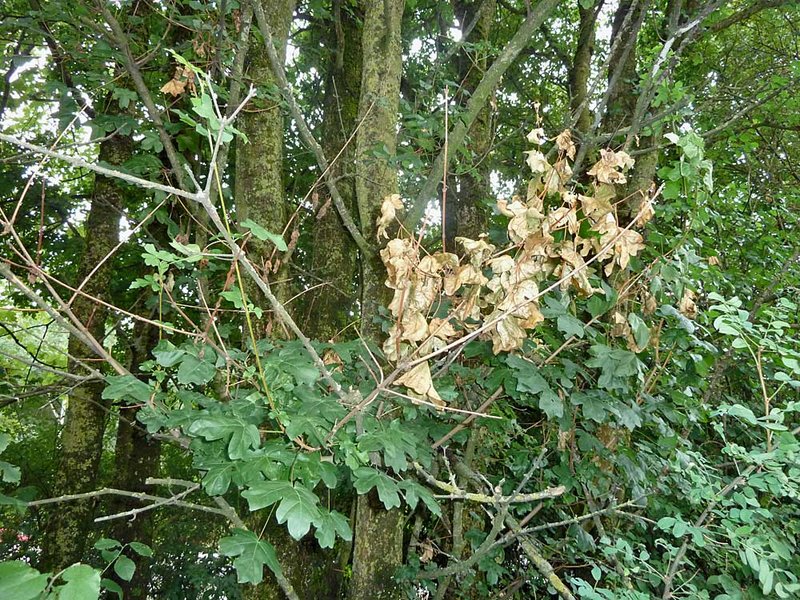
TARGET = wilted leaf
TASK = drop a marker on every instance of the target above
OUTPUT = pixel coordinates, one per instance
(611, 167)
(389, 207)
(419, 381)
(565, 144)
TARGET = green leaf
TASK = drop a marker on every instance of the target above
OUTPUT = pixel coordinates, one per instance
(298, 506)
(167, 354)
(9, 473)
(252, 552)
(140, 548)
(530, 380)
(112, 586)
(641, 332)
(196, 371)
(218, 479)
(122, 387)
(414, 492)
(616, 364)
(329, 525)
(20, 581)
(243, 435)
(666, 523)
(124, 567)
(395, 442)
(570, 326)
(264, 235)
(82, 583)
(106, 544)
(368, 478)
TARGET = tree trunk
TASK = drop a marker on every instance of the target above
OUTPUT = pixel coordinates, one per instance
(259, 187)
(82, 438)
(464, 210)
(378, 533)
(581, 69)
(136, 458)
(334, 256)
(376, 178)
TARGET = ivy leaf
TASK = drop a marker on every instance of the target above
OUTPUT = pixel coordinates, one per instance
(298, 506)
(194, 370)
(368, 478)
(329, 525)
(252, 552)
(20, 581)
(124, 567)
(82, 583)
(264, 235)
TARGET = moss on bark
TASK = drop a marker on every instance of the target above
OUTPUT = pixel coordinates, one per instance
(329, 308)
(86, 415)
(259, 186)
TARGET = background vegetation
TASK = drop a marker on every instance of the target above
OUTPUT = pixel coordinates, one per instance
(399, 299)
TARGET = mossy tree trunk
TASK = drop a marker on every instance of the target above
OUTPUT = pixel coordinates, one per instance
(136, 457)
(70, 525)
(259, 186)
(378, 533)
(260, 196)
(334, 256)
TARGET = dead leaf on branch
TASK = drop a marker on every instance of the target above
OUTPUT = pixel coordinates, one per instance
(419, 381)
(611, 167)
(687, 306)
(565, 144)
(182, 79)
(389, 207)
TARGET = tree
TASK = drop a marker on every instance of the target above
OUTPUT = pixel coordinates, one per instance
(398, 297)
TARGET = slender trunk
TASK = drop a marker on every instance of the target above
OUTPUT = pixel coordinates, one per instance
(82, 438)
(581, 68)
(465, 208)
(378, 533)
(622, 77)
(136, 458)
(334, 257)
(259, 188)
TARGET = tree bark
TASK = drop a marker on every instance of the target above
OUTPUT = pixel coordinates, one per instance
(581, 69)
(136, 458)
(259, 186)
(334, 254)
(378, 533)
(82, 438)
(376, 178)
(464, 210)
